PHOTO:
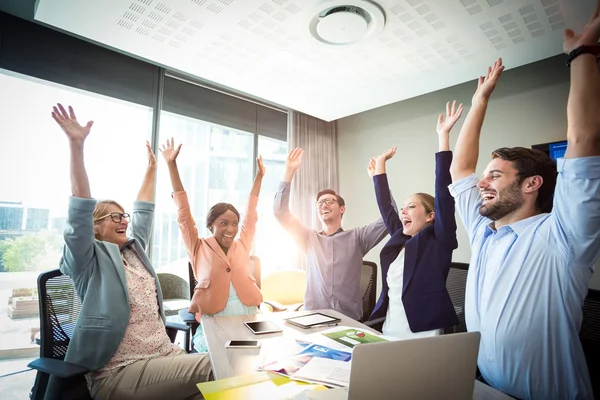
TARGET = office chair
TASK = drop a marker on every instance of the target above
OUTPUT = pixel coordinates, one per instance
(283, 290)
(175, 291)
(368, 287)
(456, 285)
(59, 310)
(590, 337)
(190, 319)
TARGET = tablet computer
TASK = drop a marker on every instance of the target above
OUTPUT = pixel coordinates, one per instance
(313, 320)
(260, 327)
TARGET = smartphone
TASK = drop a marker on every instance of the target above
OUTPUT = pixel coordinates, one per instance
(242, 344)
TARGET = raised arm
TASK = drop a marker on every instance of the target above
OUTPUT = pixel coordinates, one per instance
(78, 252)
(146, 192)
(445, 223)
(281, 206)
(576, 210)
(377, 169)
(583, 116)
(187, 225)
(80, 184)
(466, 151)
(143, 207)
(248, 226)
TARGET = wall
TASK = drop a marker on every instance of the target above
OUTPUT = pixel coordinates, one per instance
(528, 107)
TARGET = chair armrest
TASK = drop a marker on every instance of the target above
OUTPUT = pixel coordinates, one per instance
(177, 327)
(187, 317)
(275, 305)
(59, 368)
(374, 322)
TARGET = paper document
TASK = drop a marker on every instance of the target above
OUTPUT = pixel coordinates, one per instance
(325, 371)
(289, 366)
(351, 337)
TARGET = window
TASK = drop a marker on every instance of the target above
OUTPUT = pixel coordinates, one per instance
(35, 184)
(216, 164)
(272, 244)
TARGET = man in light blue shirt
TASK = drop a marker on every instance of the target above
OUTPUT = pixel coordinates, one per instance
(530, 267)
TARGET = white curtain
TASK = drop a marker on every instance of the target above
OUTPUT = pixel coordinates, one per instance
(319, 168)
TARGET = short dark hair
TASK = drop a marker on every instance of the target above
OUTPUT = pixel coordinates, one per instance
(530, 162)
(217, 210)
(339, 198)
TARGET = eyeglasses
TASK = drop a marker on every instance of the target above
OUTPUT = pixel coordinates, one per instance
(116, 217)
(329, 201)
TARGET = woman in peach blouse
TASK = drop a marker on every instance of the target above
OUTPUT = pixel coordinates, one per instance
(226, 285)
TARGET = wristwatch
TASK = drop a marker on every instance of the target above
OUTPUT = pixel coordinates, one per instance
(595, 50)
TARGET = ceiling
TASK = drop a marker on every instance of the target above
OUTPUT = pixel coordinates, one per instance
(263, 47)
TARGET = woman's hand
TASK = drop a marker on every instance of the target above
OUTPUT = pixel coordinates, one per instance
(151, 156)
(260, 168)
(371, 167)
(452, 116)
(386, 155)
(169, 151)
(69, 124)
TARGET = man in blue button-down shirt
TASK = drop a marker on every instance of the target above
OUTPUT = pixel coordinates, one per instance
(530, 269)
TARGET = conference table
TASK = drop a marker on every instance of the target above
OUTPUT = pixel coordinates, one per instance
(227, 363)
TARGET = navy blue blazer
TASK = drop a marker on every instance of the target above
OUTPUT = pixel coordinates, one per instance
(427, 255)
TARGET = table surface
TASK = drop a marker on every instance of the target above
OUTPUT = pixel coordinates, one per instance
(227, 363)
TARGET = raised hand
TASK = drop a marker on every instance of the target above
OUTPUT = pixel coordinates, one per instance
(151, 156)
(589, 35)
(169, 151)
(386, 155)
(69, 124)
(371, 167)
(294, 159)
(452, 116)
(487, 84)
(260, 168)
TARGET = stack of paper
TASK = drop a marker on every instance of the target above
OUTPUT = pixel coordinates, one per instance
(317, 364)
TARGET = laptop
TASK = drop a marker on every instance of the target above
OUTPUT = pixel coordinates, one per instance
(439, 367)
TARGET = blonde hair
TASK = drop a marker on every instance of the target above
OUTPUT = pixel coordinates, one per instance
(427, 201)
(101, 206)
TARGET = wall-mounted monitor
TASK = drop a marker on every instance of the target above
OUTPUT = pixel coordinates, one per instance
(555, 150)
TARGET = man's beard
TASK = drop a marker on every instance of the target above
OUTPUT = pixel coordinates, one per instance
(509, 200)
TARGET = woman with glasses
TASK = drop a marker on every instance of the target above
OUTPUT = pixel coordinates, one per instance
(226, 286)
(415, 262)
(120, 334)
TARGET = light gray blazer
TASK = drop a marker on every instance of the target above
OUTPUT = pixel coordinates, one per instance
(98, 273)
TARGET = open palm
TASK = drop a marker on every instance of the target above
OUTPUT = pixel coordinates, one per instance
(452, 115)
(386, 155)
(260, 167)
(589, 35)
(69, 124)
(169, 150)
(294, 159)
(487, 84)
(371, 167)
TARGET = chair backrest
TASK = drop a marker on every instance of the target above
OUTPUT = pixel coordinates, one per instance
(59, 309)
(284, 286)
(368, 288)
(590, 336)
(173, 286)
(254, 269)
(456, 285)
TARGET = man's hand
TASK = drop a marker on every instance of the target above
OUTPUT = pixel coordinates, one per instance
(487, 84)
(260, 168)
(69, 124)
(452, 116)
(169, 151)
(294, 160)
(589, 35)
(151, 157)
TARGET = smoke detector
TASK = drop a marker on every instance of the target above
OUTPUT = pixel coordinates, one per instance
(345, 22)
